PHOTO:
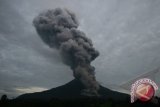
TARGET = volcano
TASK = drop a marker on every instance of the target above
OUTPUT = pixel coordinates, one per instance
(69, 95)
(72, 90)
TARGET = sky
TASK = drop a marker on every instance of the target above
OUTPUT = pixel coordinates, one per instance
(125, 32)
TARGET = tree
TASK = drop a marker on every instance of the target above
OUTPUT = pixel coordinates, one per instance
(4, 98)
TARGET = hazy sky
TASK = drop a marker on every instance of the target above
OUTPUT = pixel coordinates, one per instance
(126, 33)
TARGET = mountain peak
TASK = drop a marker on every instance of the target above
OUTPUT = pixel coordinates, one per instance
(72, 90)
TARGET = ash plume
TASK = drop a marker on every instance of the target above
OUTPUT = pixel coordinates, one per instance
(58, 29)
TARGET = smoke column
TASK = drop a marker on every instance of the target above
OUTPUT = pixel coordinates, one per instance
(58, 29)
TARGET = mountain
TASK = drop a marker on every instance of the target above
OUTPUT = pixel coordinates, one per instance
(69, 95)
(72, 90)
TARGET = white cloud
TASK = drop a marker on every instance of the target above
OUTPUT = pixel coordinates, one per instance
(21, 90)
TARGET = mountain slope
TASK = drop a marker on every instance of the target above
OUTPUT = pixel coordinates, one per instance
(72, 90)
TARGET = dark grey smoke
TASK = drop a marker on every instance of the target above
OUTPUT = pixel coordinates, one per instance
(58, 29)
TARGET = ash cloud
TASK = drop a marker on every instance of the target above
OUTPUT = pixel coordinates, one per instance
(58, 29)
